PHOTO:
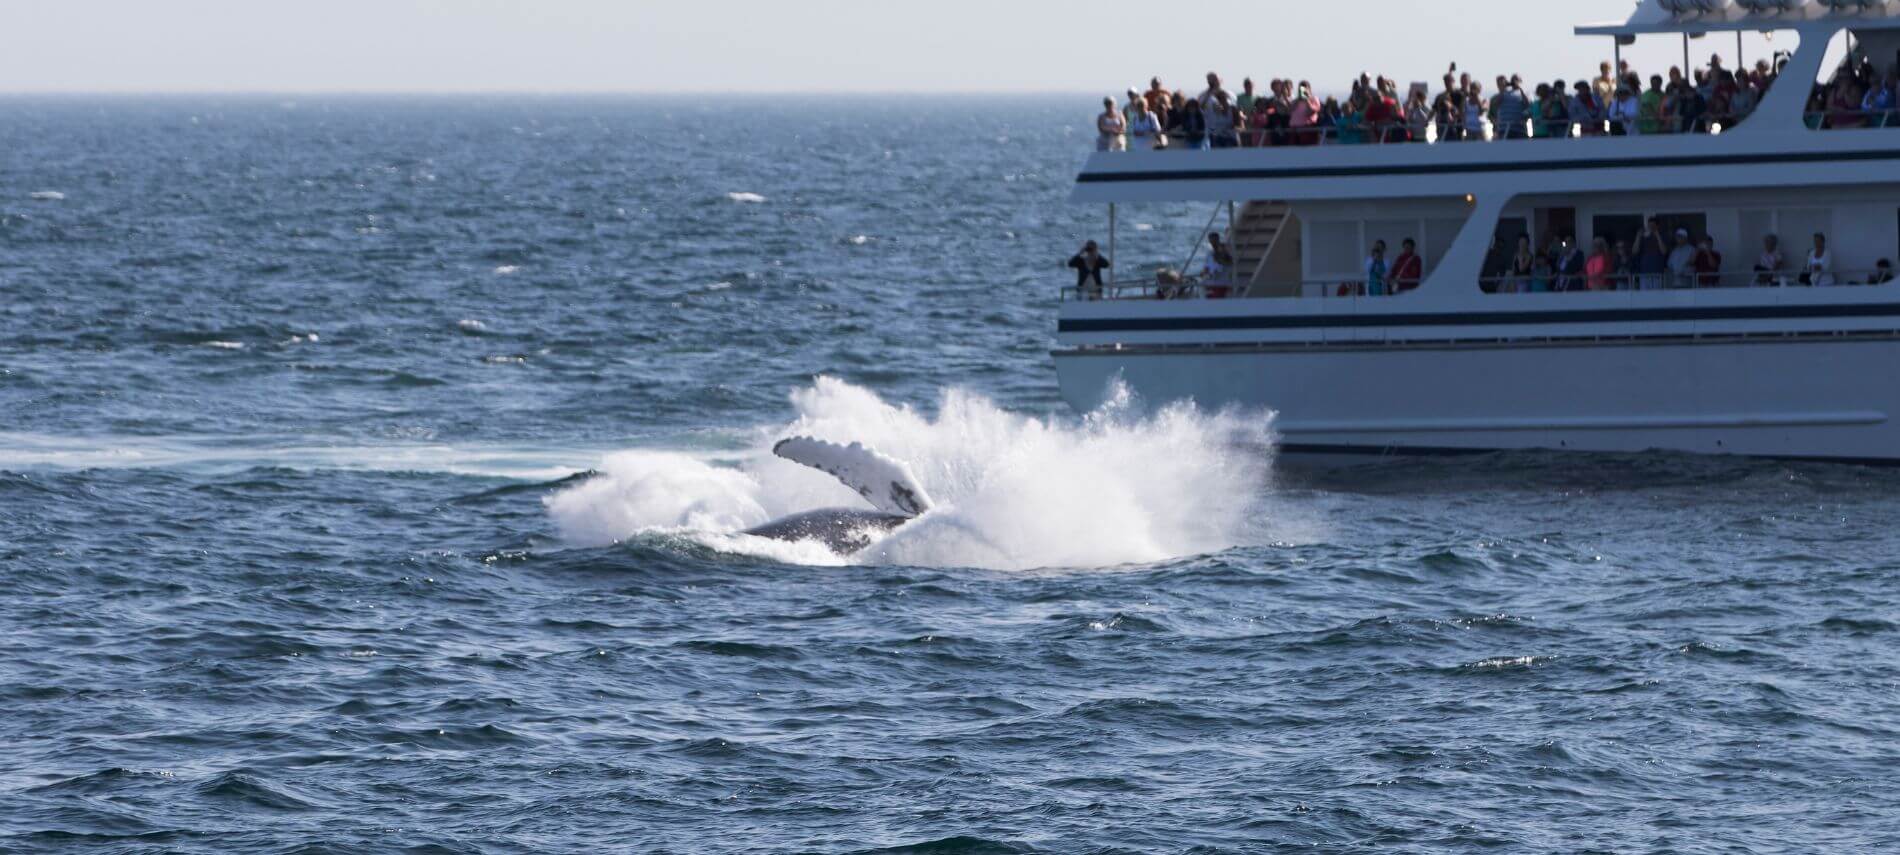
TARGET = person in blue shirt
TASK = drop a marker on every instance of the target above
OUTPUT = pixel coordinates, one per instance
(1376, 270)
(1513, 111)
(1880, 100)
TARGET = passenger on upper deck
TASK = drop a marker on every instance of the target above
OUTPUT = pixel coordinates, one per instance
(1625, 112)
(1510, 111)
(1213, 90)
(1111, 128)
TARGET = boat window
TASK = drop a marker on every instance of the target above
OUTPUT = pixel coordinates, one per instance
(1617, 229)
(1335, 247)
(1439, 235)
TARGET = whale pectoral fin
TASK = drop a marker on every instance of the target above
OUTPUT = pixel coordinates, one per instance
(883, 481)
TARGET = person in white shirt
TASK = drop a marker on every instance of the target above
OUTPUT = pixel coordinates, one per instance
(1213, 89)
(1144, 130)
(1820, 270)
(1770, 262)
(1682, 262)
(1625, 110)
(1111, 127)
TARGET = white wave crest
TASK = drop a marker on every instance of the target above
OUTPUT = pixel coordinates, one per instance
(1012, 492)
(752, 198)
(47, 196)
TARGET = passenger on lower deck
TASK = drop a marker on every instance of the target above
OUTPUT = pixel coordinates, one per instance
(1820, 267)
(1408, 268)
(1883, 273)
(1682, 262)
(1770, 262)
(1570, 264)
(1652, 256)
(1708, 264)
(1376, 271)
(1600, 266)
(1088, 265)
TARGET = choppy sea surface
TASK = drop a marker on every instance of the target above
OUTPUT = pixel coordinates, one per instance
(371, 474)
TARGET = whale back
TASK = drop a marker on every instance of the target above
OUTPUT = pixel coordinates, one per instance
(885, 482)
(842, 530)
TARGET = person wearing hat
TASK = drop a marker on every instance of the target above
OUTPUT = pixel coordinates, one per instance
(1088, 265)
(1682, 261)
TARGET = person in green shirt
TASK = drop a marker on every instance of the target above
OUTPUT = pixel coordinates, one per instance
(1652, 106)
(1247, 96)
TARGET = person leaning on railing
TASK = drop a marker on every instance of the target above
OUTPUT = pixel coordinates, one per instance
(1110, 128)
(1088, 265)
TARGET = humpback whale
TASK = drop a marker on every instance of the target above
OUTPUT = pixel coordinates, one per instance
(885, 482)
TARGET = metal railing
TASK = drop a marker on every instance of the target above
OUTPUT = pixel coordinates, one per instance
(1829, 120)
(1193, 288)
(1432, 131)
(1547, 282)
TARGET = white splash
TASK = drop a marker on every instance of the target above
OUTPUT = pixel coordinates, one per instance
(1011, 492)
(508, 270)
(225, 345)
(471, 325)
(748, 198)
(47, 196)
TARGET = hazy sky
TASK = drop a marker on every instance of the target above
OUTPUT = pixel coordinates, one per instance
(783, 45)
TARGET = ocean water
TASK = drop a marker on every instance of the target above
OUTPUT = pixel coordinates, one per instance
(371, 474)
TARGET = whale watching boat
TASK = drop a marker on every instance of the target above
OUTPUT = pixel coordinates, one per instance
(1479, 353)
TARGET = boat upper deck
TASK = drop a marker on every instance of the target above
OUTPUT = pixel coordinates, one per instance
(1771, 124)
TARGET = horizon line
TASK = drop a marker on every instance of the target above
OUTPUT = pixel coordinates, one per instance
(556, 93)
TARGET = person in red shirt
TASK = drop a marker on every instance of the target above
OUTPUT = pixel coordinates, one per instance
(1382, 113)
(1708, 264)
(1407, 269)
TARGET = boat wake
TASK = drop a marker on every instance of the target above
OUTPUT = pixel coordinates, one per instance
(1119, 486)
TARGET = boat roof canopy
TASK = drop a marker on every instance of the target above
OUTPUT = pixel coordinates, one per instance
(1710, 16)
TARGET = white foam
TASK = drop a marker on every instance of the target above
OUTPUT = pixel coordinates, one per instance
(748, 198)
(508, 270)
(225, 345)
(47, 196)
(471, 325)
(19, 450)
(1012, 492)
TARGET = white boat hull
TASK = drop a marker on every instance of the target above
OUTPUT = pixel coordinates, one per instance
(1796, 397)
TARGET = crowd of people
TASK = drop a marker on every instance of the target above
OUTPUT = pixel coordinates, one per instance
(1616, 102)
(1655, 259)
(1859, 97)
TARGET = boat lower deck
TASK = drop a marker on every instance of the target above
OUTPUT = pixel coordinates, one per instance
(1821, 396)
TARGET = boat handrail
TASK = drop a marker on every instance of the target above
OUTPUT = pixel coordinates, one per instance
(1351, 287)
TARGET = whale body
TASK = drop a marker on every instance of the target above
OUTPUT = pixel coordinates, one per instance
(885, 482)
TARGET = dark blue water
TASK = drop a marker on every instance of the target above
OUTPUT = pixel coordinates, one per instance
(295, 555)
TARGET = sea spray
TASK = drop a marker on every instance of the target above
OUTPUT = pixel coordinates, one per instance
(1120, 486)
